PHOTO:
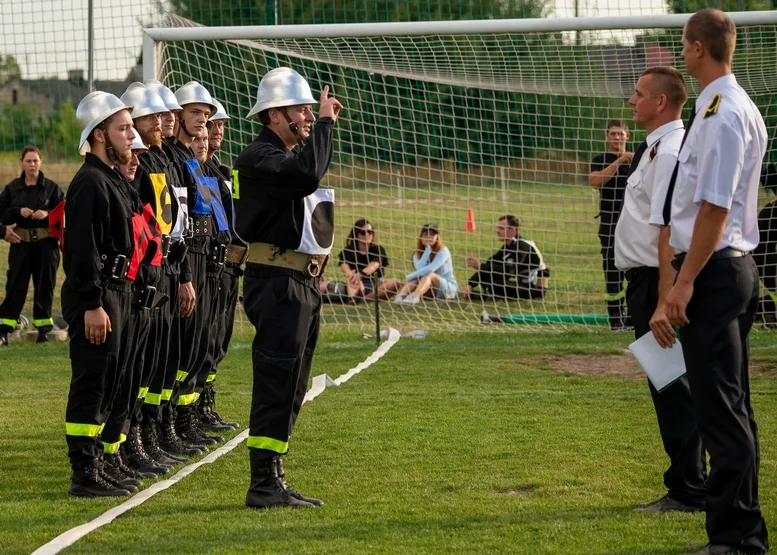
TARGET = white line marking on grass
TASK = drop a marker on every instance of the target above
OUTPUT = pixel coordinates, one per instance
(320, 383)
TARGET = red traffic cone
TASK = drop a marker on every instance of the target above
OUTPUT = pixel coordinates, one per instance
(470, 220)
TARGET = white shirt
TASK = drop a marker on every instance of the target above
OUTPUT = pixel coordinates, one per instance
(636, 241)
(720, 163)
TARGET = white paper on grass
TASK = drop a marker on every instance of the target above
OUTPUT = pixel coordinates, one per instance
(662, 366)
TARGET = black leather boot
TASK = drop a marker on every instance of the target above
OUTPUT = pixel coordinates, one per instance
(267, 490)
(86, 481)
(131, 472)
(171, 443)
(137, 457)
(112, 468)
(42, 331)
(210, 420)
(294, 493)
(187, 429)
(149, 434)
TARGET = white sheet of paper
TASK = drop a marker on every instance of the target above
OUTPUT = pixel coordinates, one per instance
(662, 366)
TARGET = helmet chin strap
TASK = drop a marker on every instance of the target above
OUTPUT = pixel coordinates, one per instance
(185, 130)
(293, 127)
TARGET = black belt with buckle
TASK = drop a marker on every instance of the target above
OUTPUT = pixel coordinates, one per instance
(116, 268)
(202, 226)
(727, 252)
(148, 297)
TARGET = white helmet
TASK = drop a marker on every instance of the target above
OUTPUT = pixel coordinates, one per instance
(165, 94)
(281, 87)
(143, 101)
(137, 143)
(194, 93)
(95, 108)
(221, 113)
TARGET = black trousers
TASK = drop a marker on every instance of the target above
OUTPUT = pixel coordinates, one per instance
(512, 292)
(40, 261)
(156, 349)
(96, 373)
(229, 292)
(686, 477)
(192, 330)
(613, 277)
(118, 421)
(167, 341)
(716, 351)
(284, 306)
(206, 354)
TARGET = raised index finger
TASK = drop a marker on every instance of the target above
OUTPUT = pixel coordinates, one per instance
(325, 94)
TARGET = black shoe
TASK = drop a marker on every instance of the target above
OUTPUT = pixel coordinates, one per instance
(137, 458)
(211, 420)
(111, 467)
(266, 489)
(149, 434)
(131, 472)
(115, 481)
(718, 549)
(666, 505)
(3, 339)
(173, 444)
(86, 481)
(294, 493)
(187, 429)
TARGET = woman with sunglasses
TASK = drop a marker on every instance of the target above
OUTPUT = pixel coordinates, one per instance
(433, 276)
(360, 260)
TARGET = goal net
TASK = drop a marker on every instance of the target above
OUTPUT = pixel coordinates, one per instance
(458, 124)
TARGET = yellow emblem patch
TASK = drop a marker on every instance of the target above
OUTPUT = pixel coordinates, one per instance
(712, 109)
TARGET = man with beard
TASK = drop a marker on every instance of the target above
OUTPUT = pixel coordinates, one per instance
(197, 105)
(288, 220)
(96, 294)
(157, 406)
(236, 255)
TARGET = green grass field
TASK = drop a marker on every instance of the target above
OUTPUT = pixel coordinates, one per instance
(457, 443)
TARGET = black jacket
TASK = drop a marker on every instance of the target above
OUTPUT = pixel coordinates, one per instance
(270, 182)
(514, 265)
(98, 223)
(45, 195)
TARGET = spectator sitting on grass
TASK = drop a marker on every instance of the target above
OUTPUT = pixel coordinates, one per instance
(516, 271)
(433, 275)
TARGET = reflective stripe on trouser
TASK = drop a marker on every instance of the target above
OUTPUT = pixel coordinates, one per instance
(192, 329)
(96, 372)
(160, 387)
(39, 261)
(111, 448)
(282, 351)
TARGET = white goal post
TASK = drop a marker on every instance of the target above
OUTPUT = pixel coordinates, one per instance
(458, 123)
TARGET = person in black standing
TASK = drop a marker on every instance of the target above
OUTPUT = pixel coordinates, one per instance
(25, 204)
(288, 220)
(765, 255)
(235, 257)
(712, 207)
(609, 172)
(96, 296)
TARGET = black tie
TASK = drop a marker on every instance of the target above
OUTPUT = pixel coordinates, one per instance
(673, 180)
(637, 157)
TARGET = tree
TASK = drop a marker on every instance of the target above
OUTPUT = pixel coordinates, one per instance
(8, 68)
(691, 6)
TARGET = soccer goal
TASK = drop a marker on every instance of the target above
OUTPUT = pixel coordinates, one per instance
(457, 124)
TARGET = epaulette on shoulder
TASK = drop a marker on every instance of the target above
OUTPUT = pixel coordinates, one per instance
(712, 109)
(654, 151)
